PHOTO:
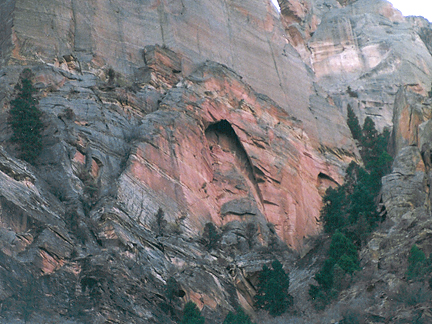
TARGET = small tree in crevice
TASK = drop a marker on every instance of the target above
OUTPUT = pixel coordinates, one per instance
(353, 124)
(211, 236)
(160, 222)
(419, 266)
(171, 289)
(26, 119)
(251, 232)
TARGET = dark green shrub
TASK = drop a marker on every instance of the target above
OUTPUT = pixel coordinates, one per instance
(211, 236)
(272, 290)
(26, 119)
(324, 277)
(418, 265)
(343, 259)
(333, 213)
(191, 314)
(343, 252)
(171, 289)
(240, 317)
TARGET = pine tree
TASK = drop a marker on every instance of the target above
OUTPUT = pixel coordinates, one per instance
(370, 142)
(191, 314)
(272, 290)
(324, 277)
(171, 289)
(333, 213)
(353, 124)
(26, 119)
(343, 252)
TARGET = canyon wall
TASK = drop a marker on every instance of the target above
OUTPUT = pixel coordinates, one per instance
(163, 116)
(80, 37)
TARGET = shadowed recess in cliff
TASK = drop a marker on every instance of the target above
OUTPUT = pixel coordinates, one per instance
(223, 140)
(324, 181)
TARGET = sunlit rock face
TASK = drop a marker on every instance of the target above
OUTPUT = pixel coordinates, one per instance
(361, 52)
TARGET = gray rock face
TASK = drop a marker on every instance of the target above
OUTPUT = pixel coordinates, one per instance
(102, 33)
(405, 188)
(207, 148)
(72, 250)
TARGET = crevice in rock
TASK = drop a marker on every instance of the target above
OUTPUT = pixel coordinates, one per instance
(324, 181)
(222, 134)
(326, 177)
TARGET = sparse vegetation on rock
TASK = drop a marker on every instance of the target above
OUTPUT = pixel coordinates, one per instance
(350, 211)
(418, 265)
(353, 124)
(211, 236)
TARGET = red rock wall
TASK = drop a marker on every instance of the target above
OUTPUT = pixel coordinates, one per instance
(256, 164)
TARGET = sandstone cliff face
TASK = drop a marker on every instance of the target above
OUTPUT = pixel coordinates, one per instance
(101, 33)
(203, 148)
(80, 40)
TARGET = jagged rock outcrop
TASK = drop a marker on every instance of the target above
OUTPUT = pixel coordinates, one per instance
(382, 290)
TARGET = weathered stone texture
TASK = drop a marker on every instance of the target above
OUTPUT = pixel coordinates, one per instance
(221, 122)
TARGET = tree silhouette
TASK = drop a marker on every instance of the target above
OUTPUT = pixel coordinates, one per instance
(25, 119)
(353, 124)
